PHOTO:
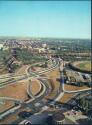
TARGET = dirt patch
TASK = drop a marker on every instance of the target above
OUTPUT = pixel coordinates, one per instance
(35, 87)
(22, 70)
(54, 85)
(11, 118)
(6, 106)
(67, 96)
(8, 119)
(3, 71)
(53, 75)
(73, 88)
(37, 69)
(16, 91)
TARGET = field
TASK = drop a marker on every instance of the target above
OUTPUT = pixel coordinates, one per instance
(66, 96)
(53, 75)
(17, 91)
(11, 118)
(35, 87)
(86, 65)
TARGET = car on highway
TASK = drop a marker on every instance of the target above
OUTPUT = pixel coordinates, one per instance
(27, 123)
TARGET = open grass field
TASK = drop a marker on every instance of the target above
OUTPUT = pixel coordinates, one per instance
(83, 65)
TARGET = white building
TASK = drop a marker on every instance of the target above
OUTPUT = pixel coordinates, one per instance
(44, 45)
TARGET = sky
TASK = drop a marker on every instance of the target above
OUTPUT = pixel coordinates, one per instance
(63, 19)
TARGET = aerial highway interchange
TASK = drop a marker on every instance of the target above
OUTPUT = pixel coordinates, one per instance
(56, 63)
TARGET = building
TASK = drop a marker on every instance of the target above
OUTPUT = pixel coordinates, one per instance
(58, 118)
(44, 45)
(39, 50)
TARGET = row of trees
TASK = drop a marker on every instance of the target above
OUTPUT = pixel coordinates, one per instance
(27, 57)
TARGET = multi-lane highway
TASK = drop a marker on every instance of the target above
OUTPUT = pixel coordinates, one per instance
(41, 95)
(39, 98)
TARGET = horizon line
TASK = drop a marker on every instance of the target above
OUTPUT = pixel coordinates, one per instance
(46, 37)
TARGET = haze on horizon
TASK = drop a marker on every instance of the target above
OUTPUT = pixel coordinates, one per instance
(63, 19)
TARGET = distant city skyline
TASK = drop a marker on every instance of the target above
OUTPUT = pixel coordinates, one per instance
(59, 19)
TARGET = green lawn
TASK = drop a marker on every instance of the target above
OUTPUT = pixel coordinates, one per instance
(86, 65)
